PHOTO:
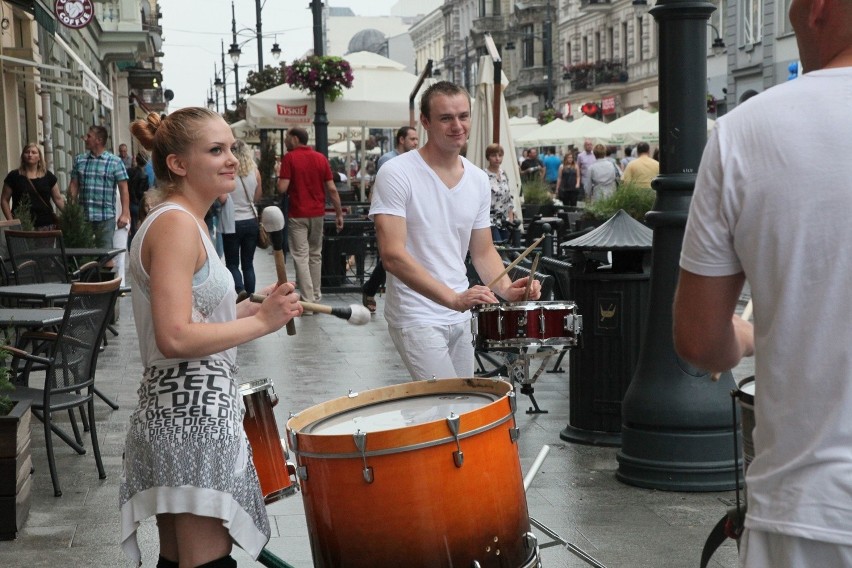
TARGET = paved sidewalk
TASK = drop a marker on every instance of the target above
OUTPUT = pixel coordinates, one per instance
(575, 492)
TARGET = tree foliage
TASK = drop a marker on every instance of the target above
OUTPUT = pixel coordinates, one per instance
(256, 82)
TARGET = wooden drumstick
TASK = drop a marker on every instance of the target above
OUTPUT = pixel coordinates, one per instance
(355, 314)
(517, 261)
(532, 277)
(273, 222)
(746, 315)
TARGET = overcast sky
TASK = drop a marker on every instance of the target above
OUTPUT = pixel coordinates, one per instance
(194, 29)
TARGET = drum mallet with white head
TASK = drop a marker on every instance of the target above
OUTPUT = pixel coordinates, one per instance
(273, 222)
(353, 313)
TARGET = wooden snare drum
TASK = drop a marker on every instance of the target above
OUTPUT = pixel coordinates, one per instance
(512, 326)
(423, 475)
(268, 452)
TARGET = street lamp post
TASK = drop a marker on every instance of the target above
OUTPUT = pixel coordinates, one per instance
(235, 52)
(548, 56)
(320, 116)
(677, 431)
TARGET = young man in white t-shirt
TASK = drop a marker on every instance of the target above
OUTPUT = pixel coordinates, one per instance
(431, 206)
(756, 217)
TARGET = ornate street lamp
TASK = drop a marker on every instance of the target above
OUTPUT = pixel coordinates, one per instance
(677, 431)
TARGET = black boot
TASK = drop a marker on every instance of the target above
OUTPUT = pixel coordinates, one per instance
(224, 562)
(166, 563)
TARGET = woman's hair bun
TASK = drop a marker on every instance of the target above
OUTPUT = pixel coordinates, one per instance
(144, 130)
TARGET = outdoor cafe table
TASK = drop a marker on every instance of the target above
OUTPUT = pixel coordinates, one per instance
(30, 317)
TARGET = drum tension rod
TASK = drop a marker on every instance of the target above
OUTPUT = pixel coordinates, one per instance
(361, 443)
(453, 425)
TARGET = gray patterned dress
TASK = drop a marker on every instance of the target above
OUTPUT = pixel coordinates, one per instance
(186, 450)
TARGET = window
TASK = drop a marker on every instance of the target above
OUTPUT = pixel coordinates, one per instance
(528, 46)
(784, 25)
(752, 20)
(584, 54)
(482, 11)
(610, 43)
(495, 7)
(598, 46)
(717, 20)
(568, 59)
(640, 40)
(623, 41)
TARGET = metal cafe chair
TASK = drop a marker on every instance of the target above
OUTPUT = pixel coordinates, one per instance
(68, 359)
(39, 257)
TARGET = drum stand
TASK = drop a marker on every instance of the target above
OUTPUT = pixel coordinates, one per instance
(557, 540)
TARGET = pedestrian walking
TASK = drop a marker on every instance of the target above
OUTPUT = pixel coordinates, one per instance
(33, 181)
(241, 243)
(187, 459)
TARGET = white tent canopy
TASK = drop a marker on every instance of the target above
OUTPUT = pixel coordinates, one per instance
(639, 126)
(378, 98)
(520, 125)
(561, 133)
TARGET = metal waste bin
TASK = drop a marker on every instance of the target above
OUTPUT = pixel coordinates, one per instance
(612, 298)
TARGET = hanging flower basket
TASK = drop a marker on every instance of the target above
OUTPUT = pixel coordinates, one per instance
(331, 74)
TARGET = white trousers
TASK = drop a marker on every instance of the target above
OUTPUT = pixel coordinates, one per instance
(761, 549)
(441, 351)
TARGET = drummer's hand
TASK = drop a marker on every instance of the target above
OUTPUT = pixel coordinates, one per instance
(280, 306)
(516, 292)
(474, 296)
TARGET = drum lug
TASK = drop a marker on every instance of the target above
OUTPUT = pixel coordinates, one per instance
(302, 472)
(522, 325)
(474, 328)
(513, 401)
(352, 394)
(530, 541)
(514, 434)
(573, 323)
(453, 425)
(361, 443)
(293, 441)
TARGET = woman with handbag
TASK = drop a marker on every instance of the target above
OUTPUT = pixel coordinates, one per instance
(32, 180)
(241, 243)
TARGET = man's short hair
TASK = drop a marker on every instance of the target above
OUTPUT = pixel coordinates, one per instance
(402, 133)
(300, 133)
(440, 88)
(599, 151)
(643, 148)
(100, 133)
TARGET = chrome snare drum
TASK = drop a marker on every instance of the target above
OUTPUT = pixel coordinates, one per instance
(514, 326)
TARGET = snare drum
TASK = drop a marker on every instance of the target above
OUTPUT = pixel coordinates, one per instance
(268, 452)
(745, 398)
(515, 325)
(422, 475)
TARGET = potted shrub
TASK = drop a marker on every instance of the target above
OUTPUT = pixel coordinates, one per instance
(636, 201)
(16, 477)
(537, 199)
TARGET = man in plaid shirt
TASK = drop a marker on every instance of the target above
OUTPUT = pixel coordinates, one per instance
(93, 179)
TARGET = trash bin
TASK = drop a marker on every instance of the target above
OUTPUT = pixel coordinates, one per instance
(612, 298)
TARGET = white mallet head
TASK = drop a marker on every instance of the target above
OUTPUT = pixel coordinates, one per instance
(272, 219)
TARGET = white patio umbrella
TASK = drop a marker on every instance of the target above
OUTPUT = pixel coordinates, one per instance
(520, 125)
(482, 128)
(246, 133)
(340, 149)
(559, 133)
(378, 98)
(639, 126)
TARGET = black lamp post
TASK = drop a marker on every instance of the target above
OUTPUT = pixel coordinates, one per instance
(677, 431)
(235, 53)
(320, 116)
(220, 84)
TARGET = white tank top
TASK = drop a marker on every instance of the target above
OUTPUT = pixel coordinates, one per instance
(213, 295)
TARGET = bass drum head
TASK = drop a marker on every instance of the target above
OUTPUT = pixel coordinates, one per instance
(400, 413)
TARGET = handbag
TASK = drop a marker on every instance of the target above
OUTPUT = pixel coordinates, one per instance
(43, 202)
(263, 240)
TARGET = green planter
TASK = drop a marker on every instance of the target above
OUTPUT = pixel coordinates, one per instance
(16, 466)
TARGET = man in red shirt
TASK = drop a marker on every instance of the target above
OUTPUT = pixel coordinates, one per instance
(306, 177)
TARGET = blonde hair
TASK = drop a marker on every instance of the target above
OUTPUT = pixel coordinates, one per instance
(246, 158)
(41, 167)
(171, 134)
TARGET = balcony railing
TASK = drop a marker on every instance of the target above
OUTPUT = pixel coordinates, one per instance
(532, 78)
(596, 5)
(487, 24)
(586, 76)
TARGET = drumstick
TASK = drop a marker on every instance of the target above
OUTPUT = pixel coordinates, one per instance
(517, 261)
(746, 315)
(273, 222)
(353, 313)
(532, 277)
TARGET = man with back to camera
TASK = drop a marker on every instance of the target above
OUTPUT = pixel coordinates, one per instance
(750, 220)
(585, 159)
(94, 177)
(406, 140)
(431, 206)
(642, 169)
(306, 177)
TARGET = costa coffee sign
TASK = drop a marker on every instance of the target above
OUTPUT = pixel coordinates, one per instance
(74, 14)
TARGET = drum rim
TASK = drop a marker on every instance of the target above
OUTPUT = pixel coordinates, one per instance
(528, 304)
(253, 386)
(491, 414)
(745, 397)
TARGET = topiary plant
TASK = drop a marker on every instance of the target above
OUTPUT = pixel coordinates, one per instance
(536, 193)
(23, 213)
(77, 232)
